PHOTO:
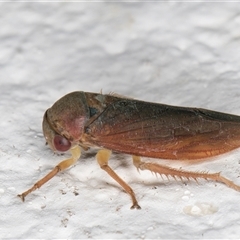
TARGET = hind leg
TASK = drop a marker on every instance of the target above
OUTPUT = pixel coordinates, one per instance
(181, 174)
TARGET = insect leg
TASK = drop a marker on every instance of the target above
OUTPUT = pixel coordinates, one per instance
(102, 158)
(76, 153)
(175, 173)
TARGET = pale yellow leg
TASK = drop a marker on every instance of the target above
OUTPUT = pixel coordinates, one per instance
(102, 158)
(175, 173)
(76, 153)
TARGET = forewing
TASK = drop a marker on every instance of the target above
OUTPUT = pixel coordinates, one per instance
(162, 131)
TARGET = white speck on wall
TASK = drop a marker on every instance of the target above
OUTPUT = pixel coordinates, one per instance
(184, 54)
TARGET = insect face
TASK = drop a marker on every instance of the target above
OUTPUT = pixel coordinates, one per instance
(63, 128)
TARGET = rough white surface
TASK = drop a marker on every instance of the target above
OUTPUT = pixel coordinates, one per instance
(181, 54)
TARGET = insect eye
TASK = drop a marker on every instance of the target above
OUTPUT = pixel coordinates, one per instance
(61, 143)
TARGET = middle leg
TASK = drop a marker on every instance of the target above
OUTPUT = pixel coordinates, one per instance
(103, 156)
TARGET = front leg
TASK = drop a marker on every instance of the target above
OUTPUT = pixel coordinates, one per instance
(102, 158)
(76, 153)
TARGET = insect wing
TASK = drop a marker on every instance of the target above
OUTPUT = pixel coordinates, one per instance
(162, 131)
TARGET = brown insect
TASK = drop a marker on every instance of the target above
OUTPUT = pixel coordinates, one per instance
(142, 129)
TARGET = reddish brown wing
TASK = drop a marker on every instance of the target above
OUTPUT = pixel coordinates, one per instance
(162, 131)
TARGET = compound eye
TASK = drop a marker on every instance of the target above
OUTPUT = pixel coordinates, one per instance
(61, 143)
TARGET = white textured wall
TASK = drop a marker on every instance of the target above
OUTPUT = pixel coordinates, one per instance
(181, 54)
